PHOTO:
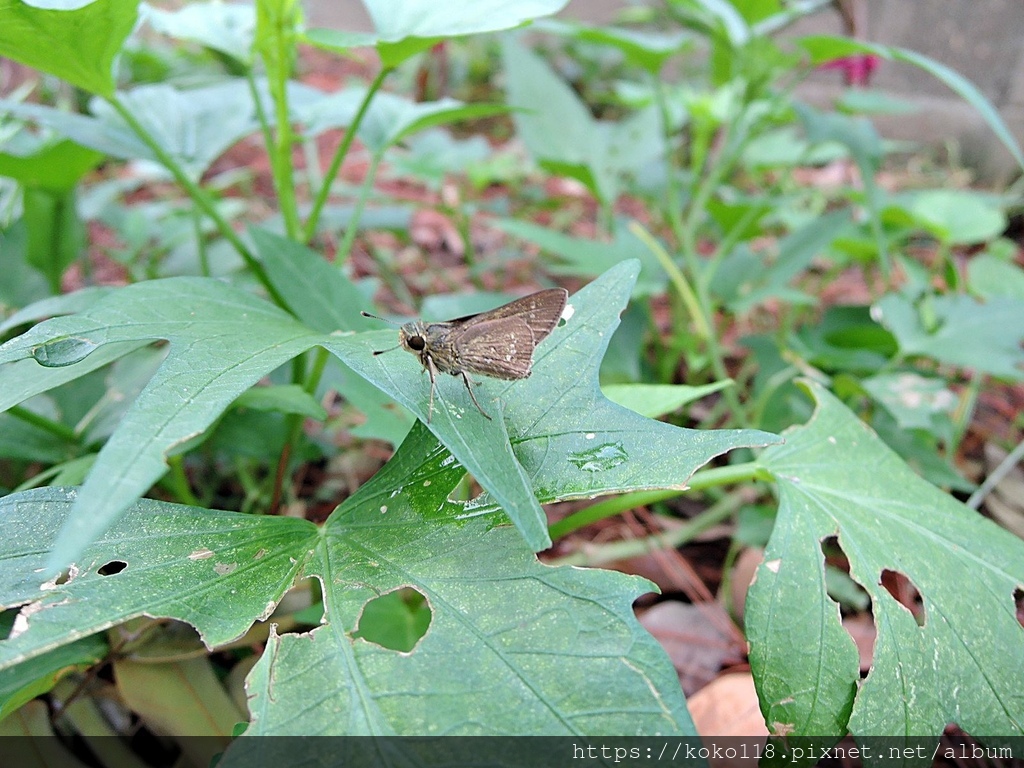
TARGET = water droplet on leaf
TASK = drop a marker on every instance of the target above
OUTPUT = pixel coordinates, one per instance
(599, 458)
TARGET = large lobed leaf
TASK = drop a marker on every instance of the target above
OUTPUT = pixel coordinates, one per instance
(513, 646)
(836, 478)
(570, 439)
(222, 341)
(77, 45)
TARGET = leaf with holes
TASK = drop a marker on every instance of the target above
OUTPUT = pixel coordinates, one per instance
(541, 650)
(554, 435)
(837, 479)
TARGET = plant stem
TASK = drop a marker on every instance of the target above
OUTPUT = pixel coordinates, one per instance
(1004, 468)
(353, 224)
(294, 426)
(593, 555)
(276, 58)
(339, 157)
(701, 480)
(179, 481)
(199, 197)
(698, 301)
(49, 425)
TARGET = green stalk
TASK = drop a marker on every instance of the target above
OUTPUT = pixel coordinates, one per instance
(294, 426)
(179, 482)
(357, 213)
(599, 554)
(199, 197)
(276, 58)
(49, 425)
(702, 480)
(339, 157)
(698, 301)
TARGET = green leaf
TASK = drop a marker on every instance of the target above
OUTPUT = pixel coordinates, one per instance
(992, 276)
(391, 118)
(317, 292)
(219, 571)
(654, 400)
(222, 341)
(649, 50)
(836, 478)
(561, 134)
(824, 48)
(718, 17)
(958, 217)
(56, 234)
(56, 166)
(78, 46)
(914, 401)
(194, 126)
(402, 32)
(569, 441)
(584, 257)
(959, 331)
(559, 648)
(37, 676)
(572, 661)
(225, 27)
(282, 398)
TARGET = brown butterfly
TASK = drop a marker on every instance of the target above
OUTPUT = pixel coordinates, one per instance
(498, 343)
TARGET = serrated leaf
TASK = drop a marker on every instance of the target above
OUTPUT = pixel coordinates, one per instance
(77, 45)
(836, 478)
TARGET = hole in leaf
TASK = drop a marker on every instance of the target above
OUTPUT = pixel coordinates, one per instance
(838, 583)
(905, 593)
(853, 600)
(1018, 600)
(396, 620)
(301, 608)
(64, 578)
(7, 622)
(114, 566)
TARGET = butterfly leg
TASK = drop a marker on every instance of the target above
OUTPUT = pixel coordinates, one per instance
(433, 376)
(469, 386)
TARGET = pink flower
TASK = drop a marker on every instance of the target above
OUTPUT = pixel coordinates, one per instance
(856, 69)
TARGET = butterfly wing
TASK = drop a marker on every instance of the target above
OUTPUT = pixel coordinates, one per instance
(500, 343)
(540, 310)
(501, 348)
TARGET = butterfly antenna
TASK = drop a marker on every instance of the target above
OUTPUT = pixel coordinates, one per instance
(382, 319)
(389, 349)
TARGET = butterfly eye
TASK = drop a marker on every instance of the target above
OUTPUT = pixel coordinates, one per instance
(416, 343)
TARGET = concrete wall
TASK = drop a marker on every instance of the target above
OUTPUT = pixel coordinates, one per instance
(981, 39)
